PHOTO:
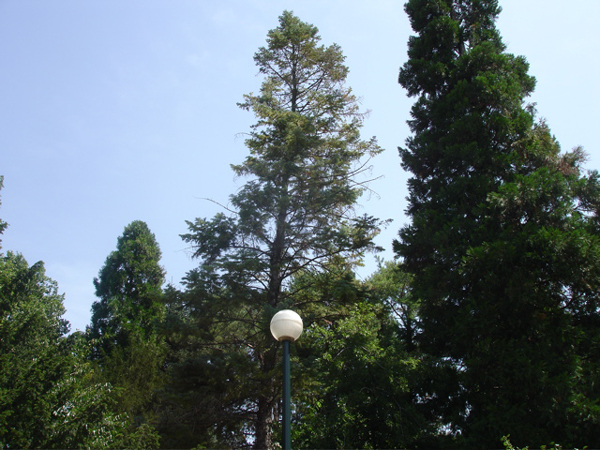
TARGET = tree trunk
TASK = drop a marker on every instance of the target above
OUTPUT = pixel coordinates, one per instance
(264, 425)
(266, 411)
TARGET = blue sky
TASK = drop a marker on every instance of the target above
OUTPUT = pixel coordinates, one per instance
(118, 110)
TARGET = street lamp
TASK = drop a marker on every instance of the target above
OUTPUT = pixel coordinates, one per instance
(286, 327)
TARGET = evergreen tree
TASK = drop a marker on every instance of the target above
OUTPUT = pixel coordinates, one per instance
(129, 287)
(296, 214)
(503, 241)
(124, 332)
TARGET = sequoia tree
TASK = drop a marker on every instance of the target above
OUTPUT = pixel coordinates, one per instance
(503, 241)
(295, 214)
(129, 286)
(124, 331)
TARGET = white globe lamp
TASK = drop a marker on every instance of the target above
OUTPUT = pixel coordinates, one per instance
(286, 325)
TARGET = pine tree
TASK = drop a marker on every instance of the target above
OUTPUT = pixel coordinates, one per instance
(294, 215)
(503, 242)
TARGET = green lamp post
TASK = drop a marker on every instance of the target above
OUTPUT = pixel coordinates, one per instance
(286, 327)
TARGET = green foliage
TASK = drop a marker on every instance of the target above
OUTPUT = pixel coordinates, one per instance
(127, 348)
(508, 445)
(503, 244)
(30, 353)
(129, 287)
(390, 286)
(353, 378)
(85, 414)
(360, 396)
(136, 371)
(47, 396)
(295, 215)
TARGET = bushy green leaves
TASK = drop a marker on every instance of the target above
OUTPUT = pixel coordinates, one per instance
(47, 396)
(30, 328)
(503, 244)
(361, 396)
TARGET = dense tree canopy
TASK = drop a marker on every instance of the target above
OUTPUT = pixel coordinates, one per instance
(487, 325)
(355, 369)
(503, 240)
(30, 360)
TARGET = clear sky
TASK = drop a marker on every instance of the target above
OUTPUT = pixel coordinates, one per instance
(118, 110)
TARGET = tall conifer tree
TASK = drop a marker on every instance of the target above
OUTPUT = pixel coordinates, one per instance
(129, 287)
(294, 215)
(125, 323)
(503, 241)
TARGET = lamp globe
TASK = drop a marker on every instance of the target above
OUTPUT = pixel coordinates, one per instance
(286, 325)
